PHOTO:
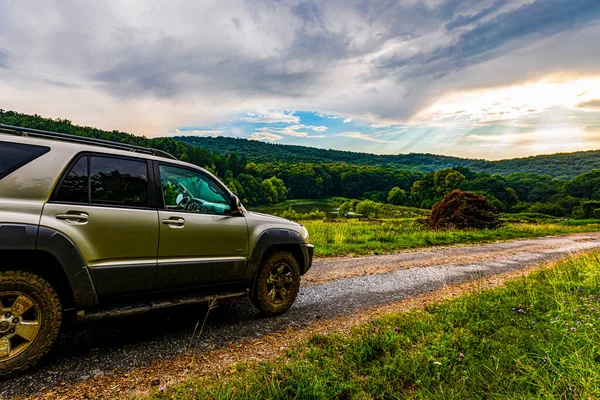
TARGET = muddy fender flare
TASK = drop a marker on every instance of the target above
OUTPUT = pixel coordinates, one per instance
(69, 257)
(267, 239)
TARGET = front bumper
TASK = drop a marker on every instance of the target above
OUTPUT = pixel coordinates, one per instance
(308, 251)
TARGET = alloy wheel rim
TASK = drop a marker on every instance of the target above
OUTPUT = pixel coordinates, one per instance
(20, 322)
(279, 283)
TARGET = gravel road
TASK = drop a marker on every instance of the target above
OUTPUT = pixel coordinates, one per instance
(332, 288)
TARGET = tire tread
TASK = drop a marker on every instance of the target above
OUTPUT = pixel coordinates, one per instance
(260, 297)
(42, 288)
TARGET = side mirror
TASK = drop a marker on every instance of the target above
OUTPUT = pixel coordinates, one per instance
(236, 206)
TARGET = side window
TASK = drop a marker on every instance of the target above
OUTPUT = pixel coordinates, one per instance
(15, 155)
(189, 190)
(74, 187)
(117, 181)
(113, 181)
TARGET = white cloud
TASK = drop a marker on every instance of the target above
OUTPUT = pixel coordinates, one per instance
(317, 128)
(362, 136)
(269, 117)
(328, 115)
(378, 126)
(347, 120)
(290, 131)
(197, 132)
(265, 136)
(311, 127)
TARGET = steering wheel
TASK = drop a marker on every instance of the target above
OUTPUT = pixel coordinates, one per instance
(192, 204)
(184, 203)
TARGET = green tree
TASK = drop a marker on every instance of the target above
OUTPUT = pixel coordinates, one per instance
(446, 180)
(252, 169)
(367, 208)
(586, 185)
(591, 209)
(396, 196)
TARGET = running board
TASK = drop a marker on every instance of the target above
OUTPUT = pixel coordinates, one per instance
(83, 315)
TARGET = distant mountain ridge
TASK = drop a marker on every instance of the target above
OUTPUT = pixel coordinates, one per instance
(559, 165)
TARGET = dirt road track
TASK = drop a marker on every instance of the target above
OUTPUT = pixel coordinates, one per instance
(333, 289)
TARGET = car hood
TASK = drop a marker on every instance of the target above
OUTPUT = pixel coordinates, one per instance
(270, 218)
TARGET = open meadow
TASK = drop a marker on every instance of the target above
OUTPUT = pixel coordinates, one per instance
(354, 237)
(399, 228)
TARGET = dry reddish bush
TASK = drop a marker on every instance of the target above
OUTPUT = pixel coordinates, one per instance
(463, 210)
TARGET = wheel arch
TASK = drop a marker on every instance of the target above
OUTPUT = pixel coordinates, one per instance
(271, 241)
(50, 254)
(42, 264)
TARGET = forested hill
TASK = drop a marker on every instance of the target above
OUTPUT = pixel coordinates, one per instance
(560, 165)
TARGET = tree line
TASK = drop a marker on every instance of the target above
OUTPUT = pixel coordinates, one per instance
(560, 166)
(258, 183)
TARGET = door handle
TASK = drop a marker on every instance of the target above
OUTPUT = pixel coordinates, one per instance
(174, 222)
(80, 218)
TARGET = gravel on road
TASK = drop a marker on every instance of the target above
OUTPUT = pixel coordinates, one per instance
(333, 288)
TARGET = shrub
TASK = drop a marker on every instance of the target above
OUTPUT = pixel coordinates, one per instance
(344, 209)
(293, 215)
(367, 208)
(463, 210)
(546, 208)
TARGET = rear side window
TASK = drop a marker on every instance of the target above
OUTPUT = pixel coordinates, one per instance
(15, 155)
(105, 181)
(117, 181)
(74, 187)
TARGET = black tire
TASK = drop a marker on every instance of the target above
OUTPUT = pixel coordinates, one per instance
(45, 311)
(263, 296)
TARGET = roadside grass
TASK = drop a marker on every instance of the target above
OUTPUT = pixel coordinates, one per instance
(530, 217)
(315, 203)
(580, 222)
(538, 337)
(353, 237)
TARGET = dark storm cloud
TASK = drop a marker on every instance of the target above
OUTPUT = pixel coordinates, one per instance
(158, 67)
(534, 20)
(463, 20)
(394, 57)
(167, 69)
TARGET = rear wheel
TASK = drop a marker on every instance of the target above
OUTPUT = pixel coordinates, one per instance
(30, 319)
(277, 283)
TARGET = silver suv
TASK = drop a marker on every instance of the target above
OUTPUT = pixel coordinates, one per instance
(106, 229)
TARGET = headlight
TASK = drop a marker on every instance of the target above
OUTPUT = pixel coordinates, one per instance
(306, 236)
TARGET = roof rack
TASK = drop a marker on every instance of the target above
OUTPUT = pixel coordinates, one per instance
(86, 140)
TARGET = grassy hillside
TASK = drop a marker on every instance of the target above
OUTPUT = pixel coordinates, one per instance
(561, 165)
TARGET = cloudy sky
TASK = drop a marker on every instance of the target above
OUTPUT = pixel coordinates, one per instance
(475, 78)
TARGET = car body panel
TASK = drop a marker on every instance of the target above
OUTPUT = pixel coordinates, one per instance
(113, 241)
(206, 249)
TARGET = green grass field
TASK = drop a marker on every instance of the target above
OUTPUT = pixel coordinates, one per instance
(538, 337)
(333, 238)
(396, 228)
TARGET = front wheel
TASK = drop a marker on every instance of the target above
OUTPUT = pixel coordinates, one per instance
(277, 283)
(30, 319)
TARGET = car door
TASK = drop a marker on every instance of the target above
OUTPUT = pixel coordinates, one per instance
(202, 242)
(106, 205)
